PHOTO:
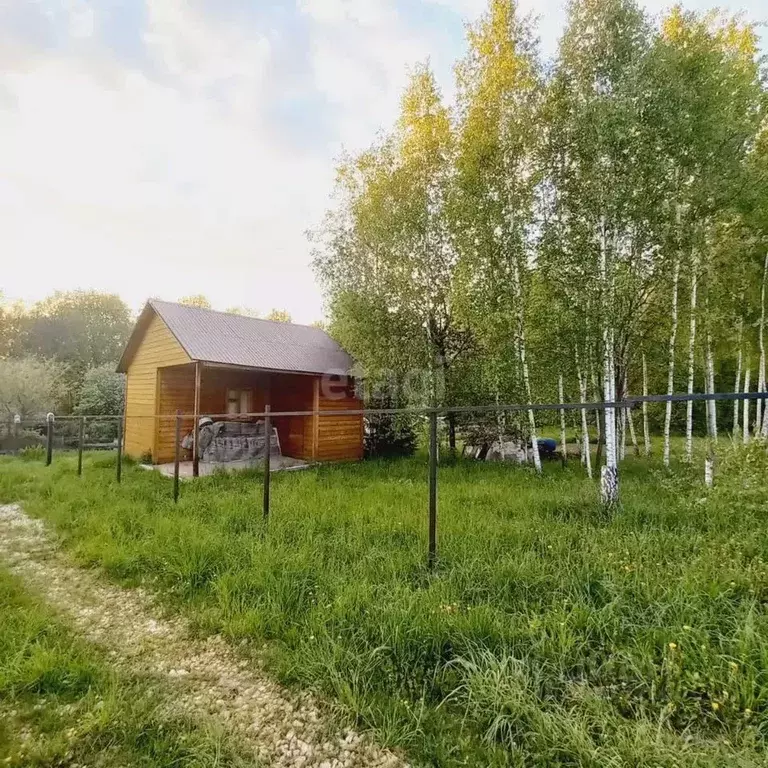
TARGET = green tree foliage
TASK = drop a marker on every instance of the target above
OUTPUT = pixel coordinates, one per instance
(102, 393)
(196, 300)
(564, 216)
(279, 316)
(496, 179)
(245, 311)
(78, 329)
(81, 328)
(29, 387)
(11, 315)
(387, 258)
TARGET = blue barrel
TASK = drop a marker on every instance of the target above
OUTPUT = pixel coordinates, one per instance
(547, 445)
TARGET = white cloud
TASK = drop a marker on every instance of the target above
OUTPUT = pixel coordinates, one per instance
(364, 12)
(129, 185)
(361, 52)
(469, 9)
(81, 19)
(172, 175)
(171, 180)
(203, 56)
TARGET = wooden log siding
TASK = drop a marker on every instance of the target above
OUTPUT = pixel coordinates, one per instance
(176, 391)
(158, 348)
(293, 392)
(340, 437)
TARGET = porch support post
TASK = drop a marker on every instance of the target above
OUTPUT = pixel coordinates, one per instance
(196, 427)
(316, 418)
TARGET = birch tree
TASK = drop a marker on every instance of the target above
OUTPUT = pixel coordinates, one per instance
(691, 359)
(737, 383)
(385, 255)
(671, 363)
(646, 423)
(745, 418)
(596, 238)
(761, 344)
(499, 94)
(563, 439)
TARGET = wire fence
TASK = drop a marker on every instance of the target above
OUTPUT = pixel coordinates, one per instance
(98, 432)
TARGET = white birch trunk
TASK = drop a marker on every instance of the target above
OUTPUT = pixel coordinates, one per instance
(622, 441)
(501, 423)
(586, 452)
(761, 370)
(764, 429)
(745, 417)
(563, 440)
(612, 362)
(646, 425)
(632, 433)
(737, 384)
(709, 468)
(591, 375)
(630, 421)
(598, 396)
(518, 419)
(706, 392)
(671, 364)
(709, 388)
(598, 420)
(711, 404)
(524, 365)
(691, 361)
(609, 474)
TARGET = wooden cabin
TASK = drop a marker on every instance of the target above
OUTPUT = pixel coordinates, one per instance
(203, 362)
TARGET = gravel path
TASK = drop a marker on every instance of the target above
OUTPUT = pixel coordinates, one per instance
(208, 679)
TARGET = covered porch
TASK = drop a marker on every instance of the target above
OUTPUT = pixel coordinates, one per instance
(230, 393)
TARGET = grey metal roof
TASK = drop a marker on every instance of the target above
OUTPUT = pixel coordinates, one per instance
(227, 339)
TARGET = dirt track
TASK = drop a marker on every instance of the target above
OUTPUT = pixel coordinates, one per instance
(276, 726)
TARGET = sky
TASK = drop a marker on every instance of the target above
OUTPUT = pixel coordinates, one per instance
(174, 147)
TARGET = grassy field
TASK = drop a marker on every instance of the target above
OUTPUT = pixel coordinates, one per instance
(549, 635)
(62, 705)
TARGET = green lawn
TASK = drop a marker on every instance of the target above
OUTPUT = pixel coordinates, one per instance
(549, 635)
(62, 705)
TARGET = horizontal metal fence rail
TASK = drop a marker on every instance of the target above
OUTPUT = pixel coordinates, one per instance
(445, 409)
(432, 412)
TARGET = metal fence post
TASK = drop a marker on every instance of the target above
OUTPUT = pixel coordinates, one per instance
(196, 428)
(80, 434)
(119, 449)
(267, 456)
(176, 457)
(49, 450)
(432, 557)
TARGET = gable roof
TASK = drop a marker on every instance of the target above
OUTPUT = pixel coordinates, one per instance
(227, 339)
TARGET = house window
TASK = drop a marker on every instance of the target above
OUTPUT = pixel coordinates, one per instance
(238, 401)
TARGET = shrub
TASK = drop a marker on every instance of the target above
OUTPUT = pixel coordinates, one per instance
(10, 443)
(103, 392)
(388, 435)
(29, 387)
(32, 453)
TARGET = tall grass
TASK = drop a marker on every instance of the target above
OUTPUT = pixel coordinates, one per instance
(549, 635)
